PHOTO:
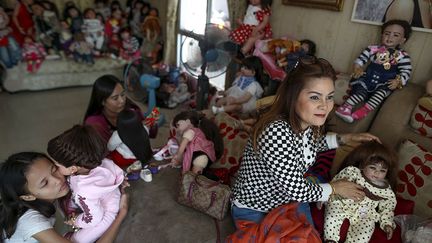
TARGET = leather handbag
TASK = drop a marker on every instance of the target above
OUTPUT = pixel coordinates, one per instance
(204, 195)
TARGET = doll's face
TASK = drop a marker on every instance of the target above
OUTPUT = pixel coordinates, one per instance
(182, 126)
(375, 172)
(90, 14)
(305, 47)
(393, 35)
(37, 9)
(117, 14)
(247, 71)
(138, 5)
(255, 2)
(64, 25)
(125, 35)
(73, 12)
(153, 12)
(28, 40)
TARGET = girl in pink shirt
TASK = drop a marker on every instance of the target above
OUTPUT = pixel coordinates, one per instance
(79, 153)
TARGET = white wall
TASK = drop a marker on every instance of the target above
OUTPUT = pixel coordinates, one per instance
(340, 40)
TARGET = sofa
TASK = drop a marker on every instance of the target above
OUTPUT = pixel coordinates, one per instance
(58, 74)
(403, 123)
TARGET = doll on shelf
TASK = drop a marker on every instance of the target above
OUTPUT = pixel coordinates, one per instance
(152, 37)
(370, 165)
(114, 46)
(66, 37)
(74, 18)
(389, 69)
(33, 53)
(289, 59)
(81, 49)
(22, 20)
(47, 29)
(101, 6)
(11, 52)
(129, 50)
(255, 25)
(114, 23)
(93, 30)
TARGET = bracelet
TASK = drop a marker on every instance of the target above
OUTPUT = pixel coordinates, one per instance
(333, 190)
(339, 140)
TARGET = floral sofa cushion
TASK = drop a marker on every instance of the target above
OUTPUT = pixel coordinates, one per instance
(421, 117)
(414, 177)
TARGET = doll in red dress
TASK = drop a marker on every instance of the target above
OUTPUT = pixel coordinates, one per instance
(255, 25)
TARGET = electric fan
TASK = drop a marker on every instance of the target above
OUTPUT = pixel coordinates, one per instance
(204, 56)
(141, 83)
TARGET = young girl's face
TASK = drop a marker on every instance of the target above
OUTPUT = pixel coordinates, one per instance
(393, 35)
(247, 71)
(45, 182)
(375, 172)
(315, 102)
(182, 126)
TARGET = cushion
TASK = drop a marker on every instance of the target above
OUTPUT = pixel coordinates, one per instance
(421, 117)
(414, 180)
(341, 88)
(234, 142)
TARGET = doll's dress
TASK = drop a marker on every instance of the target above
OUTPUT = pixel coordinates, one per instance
(244, 31)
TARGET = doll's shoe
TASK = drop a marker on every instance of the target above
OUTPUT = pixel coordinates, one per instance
(344, 112)
(146, 175)
(362, 112)
(134, 167)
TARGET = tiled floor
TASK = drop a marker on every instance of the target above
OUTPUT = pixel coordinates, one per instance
(28, 120)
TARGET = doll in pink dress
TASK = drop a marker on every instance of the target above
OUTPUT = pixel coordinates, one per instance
(33, 53)
(201, 143)
(94, 180)
(255, 25)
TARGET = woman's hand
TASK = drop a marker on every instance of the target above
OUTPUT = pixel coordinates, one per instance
(350, 138)
(348, 189)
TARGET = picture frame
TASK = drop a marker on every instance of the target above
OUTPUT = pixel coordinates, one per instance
(374, 12)
(334, 5)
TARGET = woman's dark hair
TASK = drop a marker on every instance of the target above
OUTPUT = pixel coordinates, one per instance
(283, 107)
(134, 135)
(254, 63)
(264, 3)
(80, 146)
(102, 89)
(373, 152)
(312, 46)
(403, 23)
(209, 128)
(13, 184)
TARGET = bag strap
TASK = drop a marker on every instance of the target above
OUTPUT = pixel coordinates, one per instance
(217, 230)
(215, 183)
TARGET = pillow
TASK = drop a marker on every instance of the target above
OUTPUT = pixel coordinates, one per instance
(421, 117)
(234, 142)
(341, 88)
(414, 180)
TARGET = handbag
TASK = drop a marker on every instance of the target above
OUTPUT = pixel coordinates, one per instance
(204, 195)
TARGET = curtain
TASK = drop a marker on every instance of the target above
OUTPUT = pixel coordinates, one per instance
(171, 33)
(236, 10)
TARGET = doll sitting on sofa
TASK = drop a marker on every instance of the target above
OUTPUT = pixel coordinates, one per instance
(389, 69)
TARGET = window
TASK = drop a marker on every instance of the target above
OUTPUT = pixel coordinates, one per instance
(194, 19)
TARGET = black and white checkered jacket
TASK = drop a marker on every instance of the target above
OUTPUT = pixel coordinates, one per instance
(273, 175)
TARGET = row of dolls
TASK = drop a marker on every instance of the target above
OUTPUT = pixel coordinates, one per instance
(42, 25)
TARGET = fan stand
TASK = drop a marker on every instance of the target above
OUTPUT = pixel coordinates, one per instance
(203, 80)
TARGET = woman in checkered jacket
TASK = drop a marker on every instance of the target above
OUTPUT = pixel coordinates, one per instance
(284, 144)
